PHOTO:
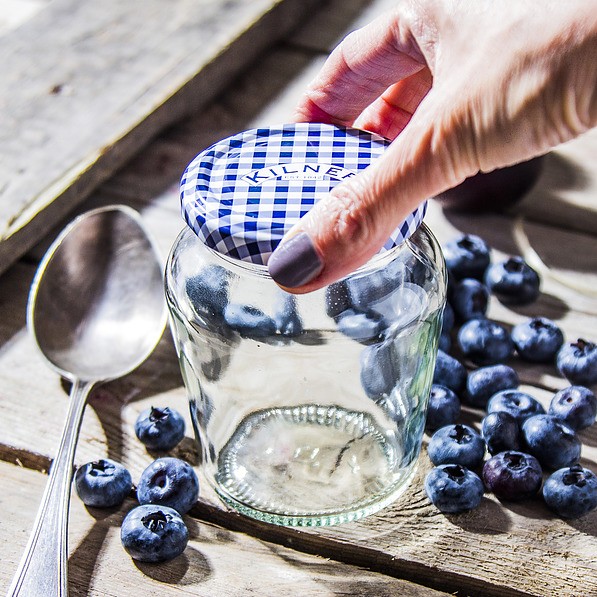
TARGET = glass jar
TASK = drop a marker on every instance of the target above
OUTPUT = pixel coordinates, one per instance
(308, 409)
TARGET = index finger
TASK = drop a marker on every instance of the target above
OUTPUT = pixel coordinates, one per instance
(360, 69)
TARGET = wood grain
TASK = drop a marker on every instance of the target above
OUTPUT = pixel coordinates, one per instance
(86, 84)
(215, 562)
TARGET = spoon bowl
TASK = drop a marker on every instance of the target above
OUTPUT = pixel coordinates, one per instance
(97, 307)
(96, 311)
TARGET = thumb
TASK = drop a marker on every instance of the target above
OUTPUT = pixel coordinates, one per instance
(347, 227)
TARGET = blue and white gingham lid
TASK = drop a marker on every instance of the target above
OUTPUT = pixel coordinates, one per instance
(242, 194)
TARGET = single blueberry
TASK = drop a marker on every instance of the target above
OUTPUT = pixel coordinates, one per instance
(512, 475)
(169, 482)
(379, 371)
(403, 305)
(337, 299)
(248, 321)
(551, 441)
(208, 291)
(443, 408)
(470, 299)
(501, 432)
(571, 492)
(160, 428)
(448, 318)
(577, 362)
(453, 488)
(362, 327)
(456, 444)
(516, 403)
(576, 406)
(369, 289)
(286, 316)
(103, 483)
(449, 372)
(484, 382)
(513, 281)
(151, 533)
(467, 256)
(445, 342)
(485, 342)
(537, 340)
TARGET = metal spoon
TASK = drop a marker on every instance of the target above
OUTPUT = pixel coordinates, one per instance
(96, 310)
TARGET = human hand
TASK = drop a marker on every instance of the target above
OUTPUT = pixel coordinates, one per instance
(459, 86)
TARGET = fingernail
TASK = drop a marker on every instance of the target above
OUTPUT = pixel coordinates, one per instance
(295, 262)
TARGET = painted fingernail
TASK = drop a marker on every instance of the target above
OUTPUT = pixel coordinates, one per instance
(295, 262)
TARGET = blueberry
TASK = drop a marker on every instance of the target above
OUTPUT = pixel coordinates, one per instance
(249, 322)
(453, 488)
(484, 382)
(512, 475)
(368, 289)
(362, 327)
(153, 533)
(577, 362)
(552, 442)
(337, 299)
(571, 492)
(208, 291)
(513, 281)
(485, 342)
(286, 317)
(449, 372)
(456, 444)
(443, 408)
(516, 403)
(405, 304)
(448, 318)
(169, 482)
(501, 432)
(537, 340)
(379, 372)
(373, 288)
(470, 299)
(445, 342)
(103, 483)
(467, 256)
(160, 428)
(576, 406)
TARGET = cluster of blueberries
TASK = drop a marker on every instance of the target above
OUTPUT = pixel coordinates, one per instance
(209, 295)
(154, 531)
(522, 439)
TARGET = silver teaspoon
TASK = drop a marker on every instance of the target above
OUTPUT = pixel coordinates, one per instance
(96, 311)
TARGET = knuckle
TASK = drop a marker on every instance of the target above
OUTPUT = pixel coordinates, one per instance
(351, 218)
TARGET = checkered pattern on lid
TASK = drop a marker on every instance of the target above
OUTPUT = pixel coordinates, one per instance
(242, 194)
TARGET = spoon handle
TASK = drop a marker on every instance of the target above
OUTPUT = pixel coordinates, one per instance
(42, 571)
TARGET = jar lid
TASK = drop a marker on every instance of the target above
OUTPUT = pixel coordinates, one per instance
(242, 194)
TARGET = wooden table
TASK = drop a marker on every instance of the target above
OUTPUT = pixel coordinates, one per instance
(410, 548)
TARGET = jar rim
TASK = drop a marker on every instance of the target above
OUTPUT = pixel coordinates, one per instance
(259, 270)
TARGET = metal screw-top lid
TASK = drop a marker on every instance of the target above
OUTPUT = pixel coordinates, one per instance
(242, 194)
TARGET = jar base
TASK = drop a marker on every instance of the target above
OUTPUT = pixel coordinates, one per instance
(311, 465)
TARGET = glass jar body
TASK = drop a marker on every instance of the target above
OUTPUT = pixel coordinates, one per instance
(308, 409)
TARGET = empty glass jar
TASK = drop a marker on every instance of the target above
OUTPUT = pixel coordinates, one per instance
(308, 409)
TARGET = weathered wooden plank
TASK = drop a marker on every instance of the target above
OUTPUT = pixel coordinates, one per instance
(565, 194)
(86, 84)
(216, 561)
(14, 13)
(336, 20)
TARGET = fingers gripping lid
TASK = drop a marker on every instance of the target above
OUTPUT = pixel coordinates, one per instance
(242, 194)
